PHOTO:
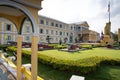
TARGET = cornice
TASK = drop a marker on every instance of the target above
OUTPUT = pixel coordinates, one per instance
(28, 3)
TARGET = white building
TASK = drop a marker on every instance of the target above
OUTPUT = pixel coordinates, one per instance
(54, 29)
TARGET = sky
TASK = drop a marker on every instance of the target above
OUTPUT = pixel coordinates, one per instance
(95, 12)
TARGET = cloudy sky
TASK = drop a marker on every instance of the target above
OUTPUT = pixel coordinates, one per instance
(95, 12)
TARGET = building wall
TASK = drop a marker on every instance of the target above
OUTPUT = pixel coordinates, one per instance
(7, 35)
(27, 31)
(55, 29)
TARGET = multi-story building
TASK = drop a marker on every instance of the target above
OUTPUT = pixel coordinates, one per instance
(83, 34)
(51, 29)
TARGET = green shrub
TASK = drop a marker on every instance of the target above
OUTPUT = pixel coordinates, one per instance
(2, 47)
(84, 66)
(12, 49)
(87, 46)
(58, 46)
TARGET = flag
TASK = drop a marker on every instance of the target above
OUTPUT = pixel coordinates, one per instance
(109, 6)
(102, 35)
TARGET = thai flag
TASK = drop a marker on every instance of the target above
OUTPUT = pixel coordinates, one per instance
(109, 6)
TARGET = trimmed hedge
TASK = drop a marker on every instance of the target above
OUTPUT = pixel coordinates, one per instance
(83, 66)
(58, 46)
(86, 46)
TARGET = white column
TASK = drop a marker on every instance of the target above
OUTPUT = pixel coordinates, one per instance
(2, 36)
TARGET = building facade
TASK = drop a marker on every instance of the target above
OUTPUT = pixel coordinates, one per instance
(49, 28)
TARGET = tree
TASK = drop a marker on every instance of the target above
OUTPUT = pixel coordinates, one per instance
(65, 39)
(76, 40)
(48, 39)
(115, 36)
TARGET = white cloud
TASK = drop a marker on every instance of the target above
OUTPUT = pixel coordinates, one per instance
(93, 11)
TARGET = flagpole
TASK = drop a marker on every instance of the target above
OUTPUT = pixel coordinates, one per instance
(109, 10)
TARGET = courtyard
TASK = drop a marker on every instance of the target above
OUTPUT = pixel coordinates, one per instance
(105, 60)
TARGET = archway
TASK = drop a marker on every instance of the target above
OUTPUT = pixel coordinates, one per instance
(17, 11)
(21, 8)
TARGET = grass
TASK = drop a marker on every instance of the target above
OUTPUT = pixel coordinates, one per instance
(103, 52)
(105, 72)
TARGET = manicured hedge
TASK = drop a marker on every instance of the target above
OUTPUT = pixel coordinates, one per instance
(87, 46)
(58, 46)
(83, 66)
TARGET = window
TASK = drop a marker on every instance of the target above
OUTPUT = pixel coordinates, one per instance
(64, 33)
(56, 39)
(47, 32)
(52, 24)
(79, 28)
(8, 27)
(46, 22)
(60, 25)
(8, 37)
(27, 29)
(56, 32)
(27, 38)
(60, 33)
(67, 33)
(41, 21)
(41, 31)
(74, 28)
(56, 25)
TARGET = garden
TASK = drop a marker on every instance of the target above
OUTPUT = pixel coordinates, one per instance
(98, 63)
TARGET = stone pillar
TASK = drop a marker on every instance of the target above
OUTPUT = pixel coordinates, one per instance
(2, 36)
(34, 57)
(19, 55)
(119, 34)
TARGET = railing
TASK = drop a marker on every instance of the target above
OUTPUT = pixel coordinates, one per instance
(25, 72)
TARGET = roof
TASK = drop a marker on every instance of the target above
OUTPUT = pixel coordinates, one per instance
(50, 18)
(83, 23)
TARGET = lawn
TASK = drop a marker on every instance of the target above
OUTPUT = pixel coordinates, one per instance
(103, 52)
(104, 72)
